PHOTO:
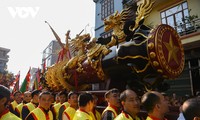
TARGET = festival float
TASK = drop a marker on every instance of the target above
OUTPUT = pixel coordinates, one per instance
(136, 56)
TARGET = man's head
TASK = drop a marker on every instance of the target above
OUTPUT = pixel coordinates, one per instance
(27, 97)
(4, 96)
(191, 109)
(45, 100)
(130, 102)
(17, 96)
(35, 95)
(63, 96)
(85, 100)
(112, 97)
(155, 102)
(73, 99)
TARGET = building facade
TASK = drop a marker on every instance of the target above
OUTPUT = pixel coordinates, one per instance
(105, 8)
(182, 15)
(50, 53)
(3, 59)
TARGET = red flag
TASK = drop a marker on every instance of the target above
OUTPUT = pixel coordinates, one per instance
(25, 84)
(16, 83)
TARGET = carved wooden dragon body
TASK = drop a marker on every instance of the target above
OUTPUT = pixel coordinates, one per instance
(134, 53)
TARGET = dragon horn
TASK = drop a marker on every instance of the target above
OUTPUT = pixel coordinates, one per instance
(56, 36)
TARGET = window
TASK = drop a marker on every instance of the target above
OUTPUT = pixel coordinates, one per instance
(107, 8)
(49, 61)
(175, 16)
(107, 34)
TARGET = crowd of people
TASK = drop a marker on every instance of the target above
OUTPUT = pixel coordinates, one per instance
(125, 105)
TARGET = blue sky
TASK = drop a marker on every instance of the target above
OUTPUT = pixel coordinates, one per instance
(25, 33)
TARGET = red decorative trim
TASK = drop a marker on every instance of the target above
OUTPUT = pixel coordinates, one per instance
(17, 110)
(114, 107)
(64, 107)
(126, 115)
(35, 118)
(4, 112)
(46, 115)
(67, 115)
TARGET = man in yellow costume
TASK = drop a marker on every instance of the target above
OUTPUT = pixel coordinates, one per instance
(86, 104)
(113, 108)
(131, 106)
(17, 100)
(26, 99)
(68, 114)
(5, 114)
(42, 112)
(27, 108)
(56, 108)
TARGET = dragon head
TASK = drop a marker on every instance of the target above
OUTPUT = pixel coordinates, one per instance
(112, 21)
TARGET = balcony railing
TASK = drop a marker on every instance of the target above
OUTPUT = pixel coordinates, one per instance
(188, 27)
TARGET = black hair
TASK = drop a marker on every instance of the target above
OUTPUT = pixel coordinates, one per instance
(84, 99)
(35, 92)
(4, 92)
(193, 108)
(44, 93)
(113, 90)
(62, 93)
(149, 100)
(72, 93)
(123, 95)
(14, 94)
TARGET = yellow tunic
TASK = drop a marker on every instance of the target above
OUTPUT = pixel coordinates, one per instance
(18, 109)
(68, 114)
(109, 108)
(95, 115)
(39, 114)
(13, 105)
(66, 104)
(56, 108)
(7, 115)
(81, 115)
(124, 116)
(30, 106)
